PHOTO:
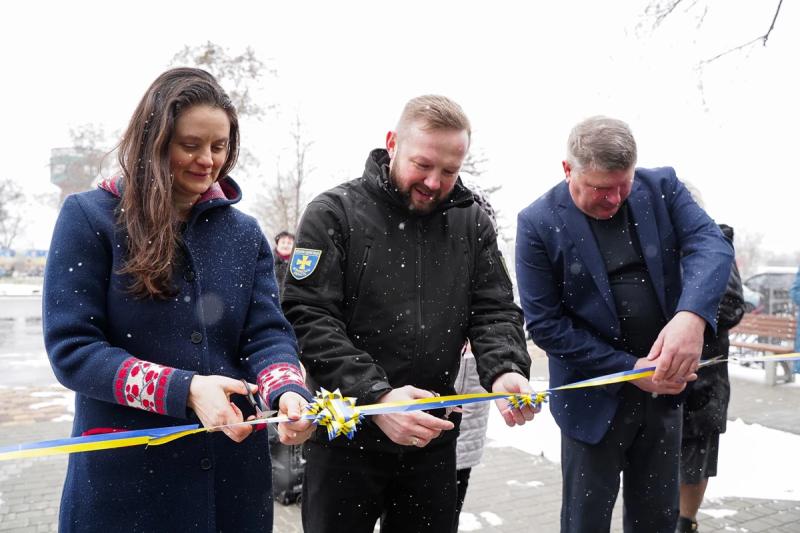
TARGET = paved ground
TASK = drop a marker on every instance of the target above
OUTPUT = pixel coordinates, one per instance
(510, 492)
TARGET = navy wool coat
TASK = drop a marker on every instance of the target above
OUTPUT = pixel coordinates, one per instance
(130, 361)
(565, 293)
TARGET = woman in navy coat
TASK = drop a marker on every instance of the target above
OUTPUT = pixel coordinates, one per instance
(159, 297)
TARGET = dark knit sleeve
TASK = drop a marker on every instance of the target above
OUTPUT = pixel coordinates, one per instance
(76, 284)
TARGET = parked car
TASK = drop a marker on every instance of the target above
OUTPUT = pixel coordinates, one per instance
(773, 284)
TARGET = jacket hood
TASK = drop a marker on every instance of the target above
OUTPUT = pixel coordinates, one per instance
(224, 191)
(376, 174)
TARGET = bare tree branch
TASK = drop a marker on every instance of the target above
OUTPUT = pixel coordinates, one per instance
(772, 26)
(475, 165)
(283, 203)
(661, 12)
(762, 38)
(241, 75)
(10, 217)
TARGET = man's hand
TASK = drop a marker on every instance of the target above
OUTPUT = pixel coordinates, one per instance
(678, 348)
(210, 399)
(513, 382)
(649, 385)
(417, 428)
(293, 405)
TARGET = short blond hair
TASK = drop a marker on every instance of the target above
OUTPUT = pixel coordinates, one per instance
(434, 112)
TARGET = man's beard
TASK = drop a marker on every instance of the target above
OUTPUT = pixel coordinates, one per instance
(406, 196)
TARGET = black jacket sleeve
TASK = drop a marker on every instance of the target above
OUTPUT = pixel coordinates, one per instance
(315, 307)
(495, 327)
(731, 307)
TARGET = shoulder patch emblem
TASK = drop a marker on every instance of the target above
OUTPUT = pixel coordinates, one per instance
(304, 261)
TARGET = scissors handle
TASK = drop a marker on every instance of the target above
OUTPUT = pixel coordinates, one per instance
(254, 401)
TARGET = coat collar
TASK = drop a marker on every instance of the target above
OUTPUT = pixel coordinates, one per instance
(376, 175)
(577, 227)
(225, 191)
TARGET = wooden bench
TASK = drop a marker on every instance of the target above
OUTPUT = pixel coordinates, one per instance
(761, 334)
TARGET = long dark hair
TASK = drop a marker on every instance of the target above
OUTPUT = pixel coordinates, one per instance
(146, 210)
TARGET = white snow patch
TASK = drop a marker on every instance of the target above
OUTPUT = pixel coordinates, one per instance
(491, 518)
(31, 363)
(47, 394)
(719, 513)
(754, 374)
(468, 522)
(540, 437)
(42, 405)
(64, 399)
(20, 289)
(515, 483)
(23, 355)
(754, 461)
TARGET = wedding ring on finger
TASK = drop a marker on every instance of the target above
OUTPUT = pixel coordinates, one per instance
(414, 441)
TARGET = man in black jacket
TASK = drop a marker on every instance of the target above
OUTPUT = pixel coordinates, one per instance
(392, 273)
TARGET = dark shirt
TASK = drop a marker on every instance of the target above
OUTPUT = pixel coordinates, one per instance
(281, 270)
(640, 316)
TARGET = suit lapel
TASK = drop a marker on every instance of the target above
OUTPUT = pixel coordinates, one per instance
(578, 229)
(641, 205)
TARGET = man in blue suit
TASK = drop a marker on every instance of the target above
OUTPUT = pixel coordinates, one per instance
(618, 268)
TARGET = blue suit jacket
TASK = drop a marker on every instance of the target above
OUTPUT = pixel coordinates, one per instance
(566, 296)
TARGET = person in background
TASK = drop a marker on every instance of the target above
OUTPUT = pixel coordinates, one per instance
(392, 273)
(619, 269)
(471, 432)
(159, 300)
(794, 293)
(705, 407)
(284, 243)
(474, 416)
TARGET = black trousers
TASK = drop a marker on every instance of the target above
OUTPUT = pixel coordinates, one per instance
(643, 443)
(346, 490)
(462, 482)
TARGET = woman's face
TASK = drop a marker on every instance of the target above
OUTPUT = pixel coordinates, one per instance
(285, 245)
(197, 151)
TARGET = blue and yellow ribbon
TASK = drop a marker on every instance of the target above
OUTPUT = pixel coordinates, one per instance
(102, 441)
(338, 414)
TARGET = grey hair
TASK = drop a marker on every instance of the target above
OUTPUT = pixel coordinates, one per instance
(601, 143)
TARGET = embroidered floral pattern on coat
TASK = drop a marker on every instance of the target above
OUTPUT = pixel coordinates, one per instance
(142, 385)
(276, 376)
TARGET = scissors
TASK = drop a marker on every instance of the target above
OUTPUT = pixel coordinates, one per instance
(256, 403)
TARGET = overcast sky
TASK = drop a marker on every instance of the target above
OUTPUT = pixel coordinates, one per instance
(525, 72)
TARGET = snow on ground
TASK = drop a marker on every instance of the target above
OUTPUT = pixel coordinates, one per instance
(20, 289)
(754, 374)
(468, 522)
(540, 437)
(719, 513)
(529, 484)
(754, 461)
